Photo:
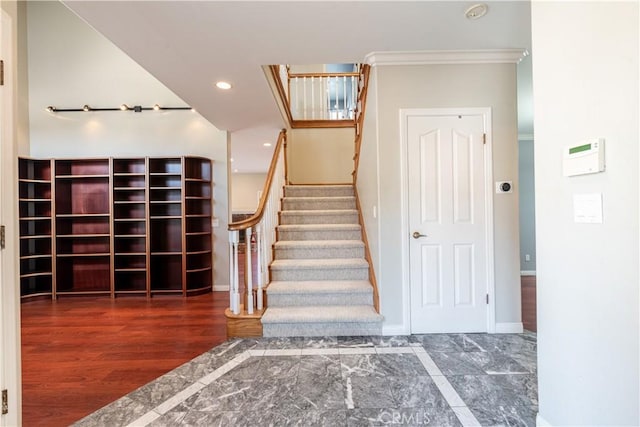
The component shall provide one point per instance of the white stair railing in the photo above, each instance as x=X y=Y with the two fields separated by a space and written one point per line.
x=261 y=229
x=322 y=96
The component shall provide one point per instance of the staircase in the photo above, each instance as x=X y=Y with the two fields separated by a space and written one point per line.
x=319 y=277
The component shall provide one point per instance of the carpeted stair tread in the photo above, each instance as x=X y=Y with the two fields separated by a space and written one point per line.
x=316 y=264
x=313 y=244
x=321 y=314
x=319 y=287
x=320 y=227
x=296 y=190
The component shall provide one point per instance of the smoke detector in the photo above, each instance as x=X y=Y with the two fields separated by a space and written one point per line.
x=476 y=11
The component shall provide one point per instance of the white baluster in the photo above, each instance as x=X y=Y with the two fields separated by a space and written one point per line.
x=313 y=99
x=248 y=272
x=344 y=97
x=260 y=253
x=234 y=291
x=328 y=89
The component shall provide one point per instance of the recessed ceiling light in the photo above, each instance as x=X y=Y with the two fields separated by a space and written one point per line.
x=231 y=159
x=476 y=11
x=267 y=144
x=223 y=85
x=235 y=170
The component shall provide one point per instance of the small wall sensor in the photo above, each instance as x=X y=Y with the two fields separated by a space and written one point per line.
x=504 y=187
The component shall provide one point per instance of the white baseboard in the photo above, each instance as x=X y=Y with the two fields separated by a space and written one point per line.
x=528 y=273
x=509 y=328
x=389 y=330
x=541 y=421
x=220 y=288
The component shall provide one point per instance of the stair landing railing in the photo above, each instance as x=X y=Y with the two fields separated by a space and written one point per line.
x=260 y=229
x=320 y=96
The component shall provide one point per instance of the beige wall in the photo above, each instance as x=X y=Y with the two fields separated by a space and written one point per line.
x=244 y=191
x=320 y=156
x=438 y=86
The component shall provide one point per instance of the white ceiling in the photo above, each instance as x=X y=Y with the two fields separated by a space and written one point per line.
x=189 y=46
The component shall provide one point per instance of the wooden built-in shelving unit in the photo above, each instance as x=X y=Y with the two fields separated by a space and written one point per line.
x=115 y=226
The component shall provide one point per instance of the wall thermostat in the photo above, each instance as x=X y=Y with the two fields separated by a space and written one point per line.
x=584 y=158
x=504 y=187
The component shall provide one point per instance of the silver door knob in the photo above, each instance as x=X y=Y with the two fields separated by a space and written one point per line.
x=417 y=235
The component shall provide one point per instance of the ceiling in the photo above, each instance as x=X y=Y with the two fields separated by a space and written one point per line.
x=189 y=46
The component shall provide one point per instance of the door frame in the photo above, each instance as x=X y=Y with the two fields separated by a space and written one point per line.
x=485 y=112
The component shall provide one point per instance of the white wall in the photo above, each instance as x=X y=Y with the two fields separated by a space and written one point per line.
x=585 y=72
x=71 y=65
x=526 y=193
x=320 y=156
x=435 y=86
x=10 y=125
x=244 y=191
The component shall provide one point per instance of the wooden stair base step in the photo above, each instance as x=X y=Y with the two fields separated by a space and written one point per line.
x=243 y=325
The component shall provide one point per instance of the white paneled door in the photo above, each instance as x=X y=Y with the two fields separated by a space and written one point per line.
x=447 y=223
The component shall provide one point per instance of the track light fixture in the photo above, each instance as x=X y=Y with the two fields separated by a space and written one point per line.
x=123 y=107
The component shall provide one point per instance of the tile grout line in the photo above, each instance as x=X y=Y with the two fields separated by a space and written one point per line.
x=457 y=405
x=454 y=401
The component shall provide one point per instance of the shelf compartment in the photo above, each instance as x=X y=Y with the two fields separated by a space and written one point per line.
x=82 y=225
x=198 y=280
x=40 y=265
x=35 y=209
x=165 y=181
x=82 y=167
x=129 y=261
x=36 y=285
x=32 y=169
x=166 y=209
x=83 y=274
x=198 y=243
x=198 y=224
x=37 y=227
x=134 y=227
x=35 y=190
x=129 y=195
x=166 y=273
x=129 y=166
x=134 y=181
x=165 y=165
x=165 y=194
x=88 y=246
x=197 y=168
x=130 y=281
x=166 y=235
x=129 y=211
x=129 y=245
x=35 y=247
x=199 y=261
x=82 y=196
x=198 y=207
x=197 y=189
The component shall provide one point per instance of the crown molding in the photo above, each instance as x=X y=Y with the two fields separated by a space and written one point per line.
x=429 y=57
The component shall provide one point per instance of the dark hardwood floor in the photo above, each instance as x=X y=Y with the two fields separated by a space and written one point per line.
x=79 y=354
x=529 y=321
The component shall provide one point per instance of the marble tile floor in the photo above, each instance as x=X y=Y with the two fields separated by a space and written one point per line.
x=434 y=380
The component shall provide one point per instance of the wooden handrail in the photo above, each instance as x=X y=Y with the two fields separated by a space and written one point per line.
x=291 y=75
x=359 y=117
x=275 y=73
x=256 y=217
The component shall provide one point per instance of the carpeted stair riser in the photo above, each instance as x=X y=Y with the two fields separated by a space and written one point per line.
x=346 y=216
x=320 y=329
x=316 y=299
x=318 y=191
x=323 y=273
x=318 y=234
x=318 y=203
x=355 y=250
